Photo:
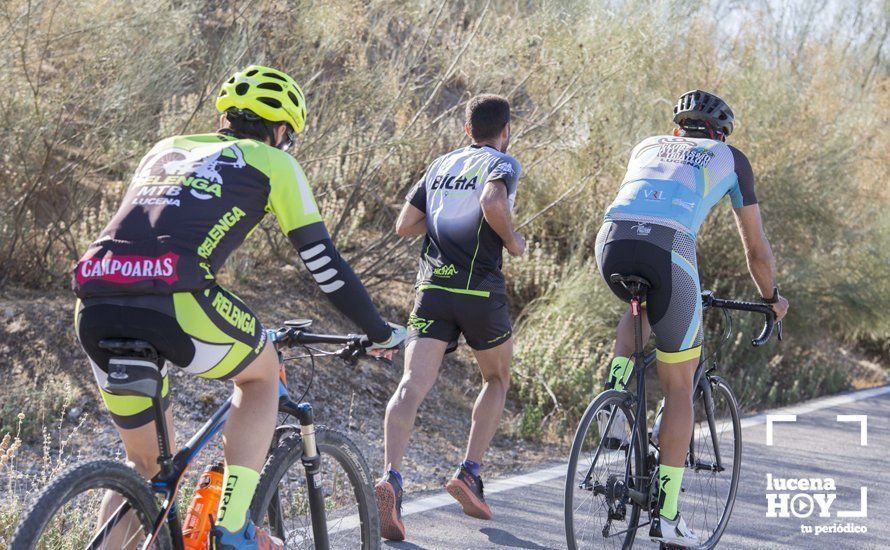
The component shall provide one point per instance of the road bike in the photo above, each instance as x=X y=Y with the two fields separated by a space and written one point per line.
x=609 y=485
x=329 y=503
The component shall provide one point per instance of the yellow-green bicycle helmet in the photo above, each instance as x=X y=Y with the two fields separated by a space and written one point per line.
x=268 y=93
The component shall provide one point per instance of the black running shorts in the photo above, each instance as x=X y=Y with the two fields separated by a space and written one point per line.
x=443 y=315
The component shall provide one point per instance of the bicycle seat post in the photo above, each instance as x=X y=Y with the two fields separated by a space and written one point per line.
x=165 y=459
x=636 y=310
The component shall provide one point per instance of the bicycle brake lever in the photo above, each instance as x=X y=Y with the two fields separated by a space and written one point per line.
x=779 y=330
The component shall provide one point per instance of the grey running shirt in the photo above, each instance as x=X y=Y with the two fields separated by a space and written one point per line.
x=461 y=252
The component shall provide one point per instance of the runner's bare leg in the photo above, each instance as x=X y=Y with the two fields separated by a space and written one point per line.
x=423 y=357
x=495 y=366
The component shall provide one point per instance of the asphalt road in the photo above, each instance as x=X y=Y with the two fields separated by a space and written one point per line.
x=529 y=509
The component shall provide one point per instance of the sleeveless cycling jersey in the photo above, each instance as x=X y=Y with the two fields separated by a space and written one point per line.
x=461 y=252
x=675 y=181
x=192 y=202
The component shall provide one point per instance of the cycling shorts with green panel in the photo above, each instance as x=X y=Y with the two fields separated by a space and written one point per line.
x=209 y=333
x=485 y=323
x=666 y=258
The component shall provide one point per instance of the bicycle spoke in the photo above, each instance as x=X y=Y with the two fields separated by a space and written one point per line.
x=341 y=508
x=77 y=525
x=708 y=491
x=597 y=477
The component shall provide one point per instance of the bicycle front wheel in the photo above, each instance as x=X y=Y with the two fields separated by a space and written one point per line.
x=599 y=510
x=711 y=484
x=98 y=505
x=282 y=499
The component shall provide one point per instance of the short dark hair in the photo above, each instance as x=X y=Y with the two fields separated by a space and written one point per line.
x=253 y=127
x=487 y=114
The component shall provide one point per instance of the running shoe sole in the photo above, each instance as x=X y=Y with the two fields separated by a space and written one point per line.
x=391 y=528
x=471 y=504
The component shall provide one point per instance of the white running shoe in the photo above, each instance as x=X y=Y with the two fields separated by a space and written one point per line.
x=672 y=532
x=619 y=432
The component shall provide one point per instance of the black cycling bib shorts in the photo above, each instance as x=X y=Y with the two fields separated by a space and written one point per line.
x=208 y=333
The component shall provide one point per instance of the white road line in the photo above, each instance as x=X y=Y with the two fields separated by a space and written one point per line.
x=550 y=473
x=818 y=404
x=433 y=502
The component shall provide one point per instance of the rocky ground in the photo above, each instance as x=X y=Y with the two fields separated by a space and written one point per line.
x=47 y=393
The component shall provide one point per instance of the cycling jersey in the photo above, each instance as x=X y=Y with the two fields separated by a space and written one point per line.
x=192 y=202
x=461 y=253
x=675 y=181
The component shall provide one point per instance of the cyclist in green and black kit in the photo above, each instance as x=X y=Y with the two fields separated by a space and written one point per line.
x=151 y=275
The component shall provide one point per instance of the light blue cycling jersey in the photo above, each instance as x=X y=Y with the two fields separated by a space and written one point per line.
x=675 y=181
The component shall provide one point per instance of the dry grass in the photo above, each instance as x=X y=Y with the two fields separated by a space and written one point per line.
x=88 y=86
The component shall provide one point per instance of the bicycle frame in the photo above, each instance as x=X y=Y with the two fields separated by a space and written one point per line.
x=701 y=384
x=173 y=468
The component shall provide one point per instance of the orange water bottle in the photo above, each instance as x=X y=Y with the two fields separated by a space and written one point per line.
x=202 y=511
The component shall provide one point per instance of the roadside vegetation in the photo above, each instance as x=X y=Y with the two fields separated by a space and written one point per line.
x=89 y=85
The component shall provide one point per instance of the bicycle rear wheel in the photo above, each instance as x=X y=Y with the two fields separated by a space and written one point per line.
x=66 y=513
x=282 y=501
x=711 y=491
x=598 y=510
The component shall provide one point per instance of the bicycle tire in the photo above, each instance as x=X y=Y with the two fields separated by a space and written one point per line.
x=719 y=387
x=605 y=399
x=76 y=480
x=332 y=445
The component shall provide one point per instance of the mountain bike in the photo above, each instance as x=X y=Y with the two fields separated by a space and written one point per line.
x=328 y=504
x=609 y=486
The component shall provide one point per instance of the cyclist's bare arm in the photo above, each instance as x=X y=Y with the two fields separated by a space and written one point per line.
x=761 y=262
x=496 y=209
x=412 y=221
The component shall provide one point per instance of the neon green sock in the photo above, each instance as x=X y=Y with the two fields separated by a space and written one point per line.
x=620 y=371
x=670 y=479
x=238 y=488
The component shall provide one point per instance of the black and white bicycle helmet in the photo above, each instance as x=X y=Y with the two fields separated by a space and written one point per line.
x=698 y=105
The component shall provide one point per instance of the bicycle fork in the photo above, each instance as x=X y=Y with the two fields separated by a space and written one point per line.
x=708 y=402
x=312 y=463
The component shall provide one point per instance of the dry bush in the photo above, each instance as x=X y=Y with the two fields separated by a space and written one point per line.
x=90 y=85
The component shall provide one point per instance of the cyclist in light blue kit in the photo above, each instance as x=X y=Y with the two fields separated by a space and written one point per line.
x=671 y=185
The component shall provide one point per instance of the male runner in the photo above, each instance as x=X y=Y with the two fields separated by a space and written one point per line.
x=151 y=275
x=672 y=182
x=463 y=205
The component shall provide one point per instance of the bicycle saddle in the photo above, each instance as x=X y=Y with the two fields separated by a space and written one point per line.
x=135 y=368
x=128 y=347
x=626 y=280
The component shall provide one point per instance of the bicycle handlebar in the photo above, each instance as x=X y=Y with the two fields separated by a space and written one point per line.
x=355 y=344
x=708 y=300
